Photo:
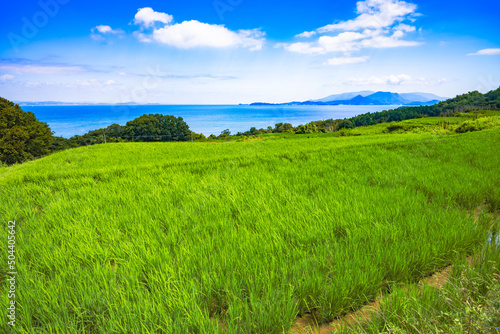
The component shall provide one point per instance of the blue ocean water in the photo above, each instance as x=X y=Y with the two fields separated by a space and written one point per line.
x=68 y=121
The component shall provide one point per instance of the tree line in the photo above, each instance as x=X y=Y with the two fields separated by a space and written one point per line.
x=461 y=103
x=24 y=137
x=146 y=128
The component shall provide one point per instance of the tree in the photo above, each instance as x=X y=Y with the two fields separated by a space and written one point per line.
x=300 y=129
x=346 y=124
x=22 y=135
x=283 y=127
x=157 y=127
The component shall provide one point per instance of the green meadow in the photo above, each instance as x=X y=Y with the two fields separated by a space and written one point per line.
x=242 y=237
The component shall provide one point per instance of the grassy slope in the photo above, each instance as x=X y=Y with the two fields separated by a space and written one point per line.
x=182 y=237
x=434 y=125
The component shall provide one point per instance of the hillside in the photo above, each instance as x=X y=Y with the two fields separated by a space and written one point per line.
x=239 y=237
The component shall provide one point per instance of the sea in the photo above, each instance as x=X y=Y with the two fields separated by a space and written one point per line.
x=67 y=121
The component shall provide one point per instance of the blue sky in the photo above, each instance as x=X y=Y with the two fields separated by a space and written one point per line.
x=241 y=51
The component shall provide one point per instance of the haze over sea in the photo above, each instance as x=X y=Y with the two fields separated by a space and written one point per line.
x=68 y=121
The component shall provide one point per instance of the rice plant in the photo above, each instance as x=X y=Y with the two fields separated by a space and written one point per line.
x=238 y=237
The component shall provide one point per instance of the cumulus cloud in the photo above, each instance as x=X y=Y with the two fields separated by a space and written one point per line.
x=306 y=34
x=485 y=52
x=374 y=14
x=6 y=77
x=147 y=17
x=104 y=29
x=192 y=34
x=346 y=60
x=98 y=32
x=379 y=24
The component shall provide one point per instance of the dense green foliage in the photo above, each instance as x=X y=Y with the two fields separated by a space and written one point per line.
x=146 y=128
x=238 y=237
x=22 y=136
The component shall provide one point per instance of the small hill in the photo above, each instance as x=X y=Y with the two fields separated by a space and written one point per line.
x=387 y=98
x=344 y=96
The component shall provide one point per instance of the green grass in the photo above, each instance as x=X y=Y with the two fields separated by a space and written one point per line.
x=238 y=237
x=434 y=125
x=469 y=302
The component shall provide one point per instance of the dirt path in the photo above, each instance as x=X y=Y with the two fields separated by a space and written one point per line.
x=308 y=325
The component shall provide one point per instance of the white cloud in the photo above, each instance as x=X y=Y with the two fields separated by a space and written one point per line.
x=379 y=24
x=104 y=29
x=485 y=52
x=374 y=14
x=382 y=42
x=306 y=34
x=147 y=17
x=405 y=27
x=98 y=32
x=343 y=42
x=304 y=48
x=6 y=77
x=346 y=60
x=190 y=34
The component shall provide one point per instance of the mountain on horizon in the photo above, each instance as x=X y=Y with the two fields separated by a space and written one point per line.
x=389 y=98
x=411 y=97
x=344 y=96
x=367 y=97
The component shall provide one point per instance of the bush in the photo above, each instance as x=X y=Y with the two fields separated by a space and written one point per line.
x=478 y=124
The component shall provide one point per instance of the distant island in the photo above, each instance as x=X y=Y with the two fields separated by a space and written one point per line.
x=368 y=98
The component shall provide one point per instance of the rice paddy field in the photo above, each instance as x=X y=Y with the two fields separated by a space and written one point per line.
x=238 y=237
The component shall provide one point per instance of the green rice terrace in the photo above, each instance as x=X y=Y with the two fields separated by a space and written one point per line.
x=246 y=236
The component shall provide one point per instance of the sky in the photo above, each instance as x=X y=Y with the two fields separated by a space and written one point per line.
x=242 y=51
